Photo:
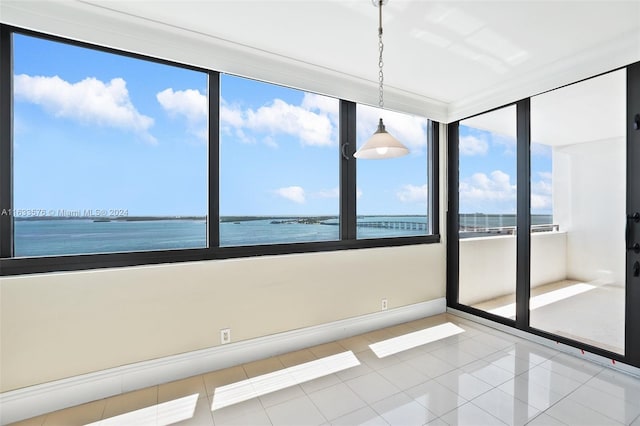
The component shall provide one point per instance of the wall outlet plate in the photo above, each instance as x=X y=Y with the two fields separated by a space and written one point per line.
x=225 y=336
x=384 y=305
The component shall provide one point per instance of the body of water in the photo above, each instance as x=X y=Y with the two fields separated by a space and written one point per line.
x=54 y=237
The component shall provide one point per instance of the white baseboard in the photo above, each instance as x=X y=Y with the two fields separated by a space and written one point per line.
x=603 y=361
x=32 y=401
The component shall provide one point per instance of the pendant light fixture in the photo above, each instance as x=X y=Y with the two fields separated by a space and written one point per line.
x=382 y=144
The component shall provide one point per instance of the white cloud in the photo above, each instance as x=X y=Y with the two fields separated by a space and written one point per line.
x=494 y=193
x=541 y=192
x=495 y=187
x=413 y=194
x=314 y=122
x=280 y=117
x=323 y=104
x=230 y=116
x=471 y=145
x=328 y=193
x=292 y=193
x=189 y=103
x=545 y=175
x=89 y=101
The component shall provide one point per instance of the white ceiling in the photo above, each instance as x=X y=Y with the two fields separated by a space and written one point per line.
x=587 y=111
x=443 y=59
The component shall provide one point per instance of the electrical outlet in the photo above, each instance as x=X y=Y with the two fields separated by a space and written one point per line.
x=385 y=305
x=225 y=336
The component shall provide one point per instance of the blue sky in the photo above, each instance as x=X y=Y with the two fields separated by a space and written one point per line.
x=488 y=173
x=95 y=130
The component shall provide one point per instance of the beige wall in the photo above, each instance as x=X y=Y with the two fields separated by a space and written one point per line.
x=60 y=325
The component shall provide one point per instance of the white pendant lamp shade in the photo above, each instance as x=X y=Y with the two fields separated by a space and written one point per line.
x=381 y=145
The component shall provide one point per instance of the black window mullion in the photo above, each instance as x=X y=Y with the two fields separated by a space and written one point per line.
x=213 y=219
x=453 y=247
x=433 y=166
x=347 y=170
x=6 y=144
x=632 y=284
x=523 y=236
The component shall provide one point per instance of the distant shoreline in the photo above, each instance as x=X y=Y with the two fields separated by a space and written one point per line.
x=111 y=218
x=223 y=219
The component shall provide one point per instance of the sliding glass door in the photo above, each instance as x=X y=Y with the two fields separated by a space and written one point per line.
x=487 y=219
x=542 y=215
x=578 y=188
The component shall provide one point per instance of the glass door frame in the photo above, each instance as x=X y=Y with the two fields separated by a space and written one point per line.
x=523 y=222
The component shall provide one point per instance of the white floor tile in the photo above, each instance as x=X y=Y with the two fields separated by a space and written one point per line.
x=278 y=397
x=476 y=347
x=551 y=380
x=531 y=393
x=533 y=353
x=489 y=373
x=617 y=384
x=572 y=413
x=464 y=384
x=371 y=359
x=437 y=398
x=228 y=415
x=454 y=356
x=430 y=365
x=411 y=353
x=615 y=408
x=437 y=422
x=320 y=383
x=508 y=362
x=297 y=412
x=471 y=415
x=336 y=401
x=362 y=417
x=253 y=418
x=400 y=409
x=354 y=372
x=545 y=420
x=506 y=407
x=372 y=387
x=573 y=368
x=502 y=341
x=403 y=375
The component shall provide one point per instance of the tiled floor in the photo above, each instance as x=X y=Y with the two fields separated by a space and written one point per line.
x=479 y=376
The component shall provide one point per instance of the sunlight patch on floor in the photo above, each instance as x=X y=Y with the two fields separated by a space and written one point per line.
x=245 y=390
x=167 y=413
x=411 y=340
x=509 y=310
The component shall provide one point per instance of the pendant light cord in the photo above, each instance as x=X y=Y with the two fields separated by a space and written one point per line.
x=380 y=63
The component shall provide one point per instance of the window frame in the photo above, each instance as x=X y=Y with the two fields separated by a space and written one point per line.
x=10 y=266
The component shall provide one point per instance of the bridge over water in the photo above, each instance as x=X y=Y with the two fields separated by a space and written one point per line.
x=394 y=224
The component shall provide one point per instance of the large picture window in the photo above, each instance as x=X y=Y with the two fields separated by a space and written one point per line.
x=278 y=164
x=110 y=152
x=393 y=195
x=109 y=158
